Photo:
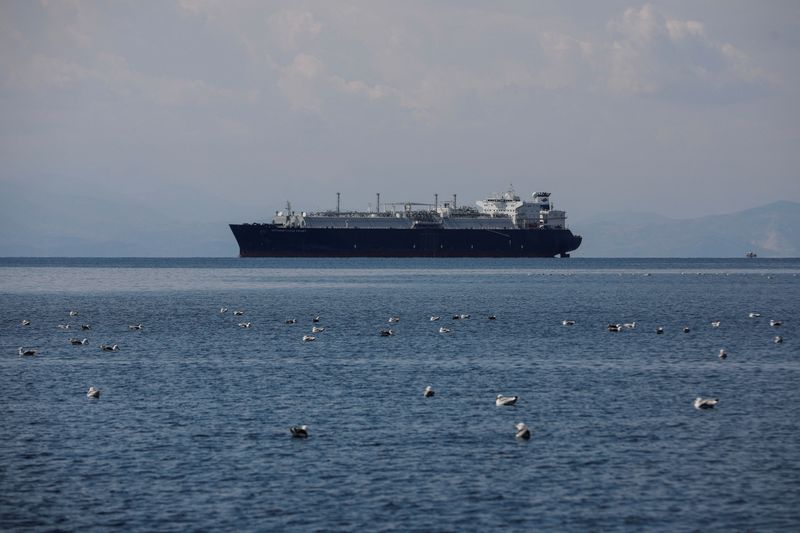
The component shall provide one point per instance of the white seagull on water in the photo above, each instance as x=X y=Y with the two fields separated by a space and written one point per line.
x=705 y=403
x=26 y=351
x=523 y=432
x=300 y=432
x=93 y=393
x=505 y=400
x=428 y=392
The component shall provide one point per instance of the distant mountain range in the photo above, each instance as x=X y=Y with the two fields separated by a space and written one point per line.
x=772 y=230
x=87 y=227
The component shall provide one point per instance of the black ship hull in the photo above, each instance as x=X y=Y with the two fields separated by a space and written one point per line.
x=271 y=240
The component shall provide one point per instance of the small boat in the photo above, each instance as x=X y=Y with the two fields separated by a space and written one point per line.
x=750 y=255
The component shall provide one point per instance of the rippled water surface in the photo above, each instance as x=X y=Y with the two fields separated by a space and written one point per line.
x=191 y=430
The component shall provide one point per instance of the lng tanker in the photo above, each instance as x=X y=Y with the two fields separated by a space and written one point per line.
x=502 y=225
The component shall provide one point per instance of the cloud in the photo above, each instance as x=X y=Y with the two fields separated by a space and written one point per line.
x=651 y=53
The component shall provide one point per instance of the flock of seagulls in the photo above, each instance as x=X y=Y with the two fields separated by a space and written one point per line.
x=522 y=431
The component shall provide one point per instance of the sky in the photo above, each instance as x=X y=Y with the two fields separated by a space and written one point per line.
x=211 y=111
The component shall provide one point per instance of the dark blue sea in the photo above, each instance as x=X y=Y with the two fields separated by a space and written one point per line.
x=191 y=431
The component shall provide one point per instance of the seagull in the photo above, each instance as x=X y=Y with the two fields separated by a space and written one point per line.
x=135 y=327
x=109 y=347
x=444 y=330
x=63 y=326
x=223 y=310
x=309 y=338
x=722 y=353
x=73 y=313
x=300 y=432
x=492 y=317
x=291 y=321
x=244 y=324
x=659 y=330
x=629 y=325
x=778 y=339
x=78 y=342
x=754 y=315
x=394 y=319
x=238 y=312
x=85 y=327
x=315 y=319
x=456 y=317
x=26 y=351
x=505 y=400
x=614 y=327
x=428 y=392
x=434 y=318
x=705 y=403
x=26 y=322
x=715 y=324
x=464 y=317
x=686 y=329
x=317 y=329
x=568 y=322
x=774 y=323
x=93 y=393
x=522 y=431
x=386 y=332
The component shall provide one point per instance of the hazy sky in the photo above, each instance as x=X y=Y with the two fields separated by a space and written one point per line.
x=223 y=110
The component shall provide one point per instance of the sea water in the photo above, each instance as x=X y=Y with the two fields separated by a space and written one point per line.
x=192 y=427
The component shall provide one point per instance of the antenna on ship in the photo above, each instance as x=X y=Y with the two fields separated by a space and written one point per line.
x=378 y=205
x=338 y=197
